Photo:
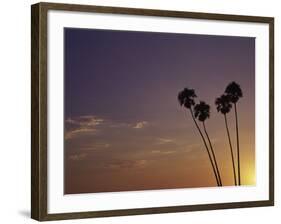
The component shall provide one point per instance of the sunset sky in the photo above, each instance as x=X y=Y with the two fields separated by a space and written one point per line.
x=124 y=128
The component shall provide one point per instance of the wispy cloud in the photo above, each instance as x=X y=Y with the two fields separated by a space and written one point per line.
x=96 y=146
x=140 y=124
x=73 y=133
x=127 y=164
x=163 y=152
x=90 y=125
x=82 y=125
x=161 y=141
x=88 y=120
x=77 y=157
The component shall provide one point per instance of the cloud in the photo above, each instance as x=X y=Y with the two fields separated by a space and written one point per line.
x=163 y=152
x=161 y=141
x=140 y=124
x=91 y=125
x=73 y=133
x=127 y=164
x=88 y=120
x=78 y=157
x=70 y=121
x=169 y=152
x=96 y=146
x=82 y=125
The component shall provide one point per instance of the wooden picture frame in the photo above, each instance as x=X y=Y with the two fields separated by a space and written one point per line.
x=39 y=108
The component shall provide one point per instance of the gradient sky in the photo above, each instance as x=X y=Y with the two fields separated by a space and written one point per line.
x=124 y=128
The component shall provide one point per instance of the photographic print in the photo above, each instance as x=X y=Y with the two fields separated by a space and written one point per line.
x=144 y=111
x=153 y=110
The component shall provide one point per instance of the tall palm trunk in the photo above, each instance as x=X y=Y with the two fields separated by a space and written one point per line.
x=218 y=183
x=213 y=153
x=231 y=150
x=238 y=151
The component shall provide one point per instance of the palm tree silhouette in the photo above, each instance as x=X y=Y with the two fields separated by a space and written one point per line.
x=234 y=93
x=224 y=106
x=202 y=112
x=186 y=98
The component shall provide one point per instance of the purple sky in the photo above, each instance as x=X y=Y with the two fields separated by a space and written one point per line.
x=123 y=123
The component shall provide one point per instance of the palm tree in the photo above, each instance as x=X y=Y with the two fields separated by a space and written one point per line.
x=224 y=106
x=202 y=112
x=186 y=98
x=234 y=93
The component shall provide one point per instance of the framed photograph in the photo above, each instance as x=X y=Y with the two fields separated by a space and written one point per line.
x=140 y=111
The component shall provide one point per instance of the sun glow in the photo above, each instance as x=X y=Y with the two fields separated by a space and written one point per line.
x=249 y=177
